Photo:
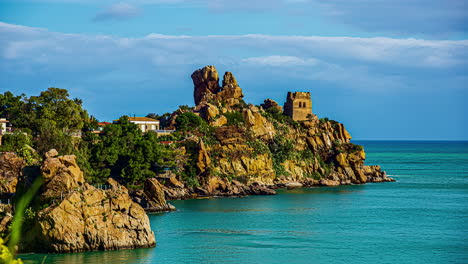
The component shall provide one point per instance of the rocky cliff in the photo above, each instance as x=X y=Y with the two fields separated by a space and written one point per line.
x=259 y=146
x=75 y=216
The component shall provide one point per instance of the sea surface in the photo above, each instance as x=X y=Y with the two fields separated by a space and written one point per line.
x=421 y=218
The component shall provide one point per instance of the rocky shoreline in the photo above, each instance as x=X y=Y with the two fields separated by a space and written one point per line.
x=218 y=187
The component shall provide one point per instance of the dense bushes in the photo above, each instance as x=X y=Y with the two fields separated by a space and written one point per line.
x=189 y=121
x=234 y=118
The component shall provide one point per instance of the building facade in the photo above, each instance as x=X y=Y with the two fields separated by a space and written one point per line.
x=3 y=126
x=145 y=124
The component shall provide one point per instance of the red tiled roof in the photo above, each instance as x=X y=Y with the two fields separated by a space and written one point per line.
x=141 y=119
x=104 y=123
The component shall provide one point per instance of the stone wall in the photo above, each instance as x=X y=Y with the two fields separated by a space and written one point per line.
x=298 y=105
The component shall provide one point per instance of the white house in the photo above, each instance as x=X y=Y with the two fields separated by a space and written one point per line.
x=3 y=126
x=144 y=123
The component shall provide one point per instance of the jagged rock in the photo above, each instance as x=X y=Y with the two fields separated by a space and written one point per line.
x=258 y=189
x=229 y=80
x=155 y=198
x=61 y=175
x=221 y=121
x=231 y=93
x=51 y=154
x=258 y=124
x=85 y=218
x=270 y=103
x=174 y=183
x=11 y=169
x=204 y=160
x=206 y=82
x=216 y=184
x=209 y=112
x=206 y=87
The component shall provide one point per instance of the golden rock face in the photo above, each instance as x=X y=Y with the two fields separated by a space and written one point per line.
x=11 y=167
x=83 y=217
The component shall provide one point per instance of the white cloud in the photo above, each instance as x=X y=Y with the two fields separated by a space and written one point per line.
x=285 y=61
x=118 y=11
x=348 y=61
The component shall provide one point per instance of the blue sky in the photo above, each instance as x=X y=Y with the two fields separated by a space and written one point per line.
x=386 y=69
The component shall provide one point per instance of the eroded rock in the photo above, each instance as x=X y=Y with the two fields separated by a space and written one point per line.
x=11 y=169
x=82 y=217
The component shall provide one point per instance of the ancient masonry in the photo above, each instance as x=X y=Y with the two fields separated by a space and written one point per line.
x=298 y=106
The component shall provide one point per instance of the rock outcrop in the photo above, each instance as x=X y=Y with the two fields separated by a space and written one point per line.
x=152 y=197
x=11 y=169
x=206 y=87
x=61 y=175
x=271 y=104
x=206 y=82
x=252 y=148
x=82 y=217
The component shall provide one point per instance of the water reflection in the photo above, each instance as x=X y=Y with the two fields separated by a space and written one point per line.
x=116 y=256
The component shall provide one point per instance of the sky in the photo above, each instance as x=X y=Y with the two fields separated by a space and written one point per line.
x=393 y=70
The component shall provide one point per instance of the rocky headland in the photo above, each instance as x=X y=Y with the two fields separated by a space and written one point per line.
x=235 y=149
x=252 y=149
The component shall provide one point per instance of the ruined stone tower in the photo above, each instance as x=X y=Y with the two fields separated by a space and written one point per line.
x=298 y=105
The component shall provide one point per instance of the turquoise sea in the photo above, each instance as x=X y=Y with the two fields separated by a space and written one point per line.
x=421 y=218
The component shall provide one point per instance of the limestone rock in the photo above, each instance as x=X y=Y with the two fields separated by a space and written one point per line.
x=221 y=121
x=61 y=175
x=11 y=169
x=154 y=193
x=229 y=80
x=51 y=154
x=231 y=93
x=292 y=185
x=206 y=87
x=326 y=182
x=204 y=160
x=82 y=217
x=206 y=82
x=209 y=112
x=174 y=183
x=270 y=103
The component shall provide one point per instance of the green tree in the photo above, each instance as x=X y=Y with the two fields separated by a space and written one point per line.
x=54 y=105
x=12 y=108
x=124 y=152
x=189 y=121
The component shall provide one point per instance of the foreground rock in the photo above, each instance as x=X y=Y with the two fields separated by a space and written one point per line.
x=11 y=168
x=82 y=217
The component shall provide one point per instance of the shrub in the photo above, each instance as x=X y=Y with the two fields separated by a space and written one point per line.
x=234 y=118
x=189 y=121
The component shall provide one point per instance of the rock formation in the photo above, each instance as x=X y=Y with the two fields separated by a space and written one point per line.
x=152 y=197
x=270 y=103
x=82 y=217
x=206 y=87
x=11 y=169
x=264 y=148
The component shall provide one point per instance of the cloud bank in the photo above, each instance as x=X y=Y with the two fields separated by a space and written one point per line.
x=118 y=11
x=415 y=77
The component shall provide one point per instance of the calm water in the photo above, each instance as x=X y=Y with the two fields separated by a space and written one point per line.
x=422 y=218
